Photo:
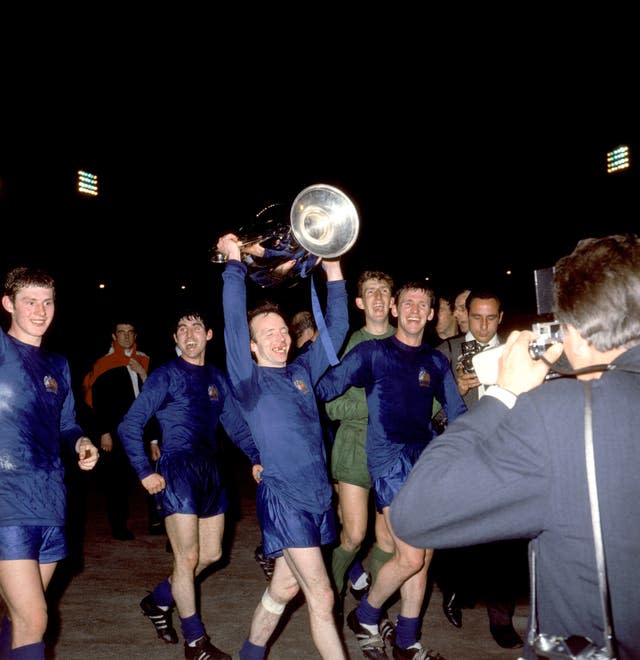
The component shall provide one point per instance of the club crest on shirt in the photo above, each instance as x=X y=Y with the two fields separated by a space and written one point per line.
x=424 y=377
x=301 y=385
x=213 y=392
x=50 y=384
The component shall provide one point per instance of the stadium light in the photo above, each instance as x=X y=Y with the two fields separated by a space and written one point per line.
x=87 y=183
x=618 y=159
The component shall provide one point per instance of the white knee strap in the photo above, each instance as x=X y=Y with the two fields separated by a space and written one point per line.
x=271 y=605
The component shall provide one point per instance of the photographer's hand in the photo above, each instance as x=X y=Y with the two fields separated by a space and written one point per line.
x=517 y=371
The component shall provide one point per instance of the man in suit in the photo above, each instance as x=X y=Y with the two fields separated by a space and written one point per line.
x=491 y=570
x=109 y=390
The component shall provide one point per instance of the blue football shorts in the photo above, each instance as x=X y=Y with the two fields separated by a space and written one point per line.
x=44 y=544
x=284 y=526
x=386 y=487
x=193 y=485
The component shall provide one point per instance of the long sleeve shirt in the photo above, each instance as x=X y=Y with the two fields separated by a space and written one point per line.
x=279 y=403
x=189 y=401
x=37 y=423
x=400 y=382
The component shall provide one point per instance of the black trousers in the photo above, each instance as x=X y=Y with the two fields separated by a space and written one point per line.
x=116 y=478
x=496 y=573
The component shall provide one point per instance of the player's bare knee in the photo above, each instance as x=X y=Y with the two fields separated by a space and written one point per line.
x=211 y=556
x=33 y=627
x=351 y=542
x=271 y=604
x=410 y=562
x=322 y=600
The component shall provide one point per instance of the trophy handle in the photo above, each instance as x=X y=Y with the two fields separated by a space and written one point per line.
x=323 y=223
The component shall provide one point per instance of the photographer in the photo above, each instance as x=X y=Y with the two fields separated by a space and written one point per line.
x=484 y=311
x=514 y=466
x=490 y=572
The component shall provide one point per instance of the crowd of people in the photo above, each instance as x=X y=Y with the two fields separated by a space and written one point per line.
x=394 y=457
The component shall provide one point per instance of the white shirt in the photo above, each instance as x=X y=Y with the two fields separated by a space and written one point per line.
x=494 y=341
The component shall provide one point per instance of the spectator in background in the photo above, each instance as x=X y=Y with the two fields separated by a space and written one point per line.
x=303 y=329
x=446 y=322
x=460 y=310
x=490 y=571
x=109 y=390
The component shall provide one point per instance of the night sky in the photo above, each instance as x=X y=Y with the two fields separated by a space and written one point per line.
x=455 y=177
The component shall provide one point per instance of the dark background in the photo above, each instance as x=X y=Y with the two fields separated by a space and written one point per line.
x=463 y=217
x=470 y=146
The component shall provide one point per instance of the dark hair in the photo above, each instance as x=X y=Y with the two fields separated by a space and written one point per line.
x=597 y=290
x=448 y=298
x=415 y=286
x=302 y=321
x=123 y=320
x=373 y=275
x=482 y=294
x=24 y=276
x=192 y=314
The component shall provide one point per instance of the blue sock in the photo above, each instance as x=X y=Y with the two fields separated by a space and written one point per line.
x=407 y=631
x=162 y=594
x=5 y=637
x=250 y=651
x=356 y=570
x=28 y=652
x=367 y=613
x=192 y=628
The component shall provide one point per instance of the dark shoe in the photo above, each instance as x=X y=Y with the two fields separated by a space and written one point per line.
x=267 y=564
x=371 y=644
x=415 y=652
x=506 y=636
x=156 y=529
x=204 y=650
x=387 y=630
x=161 y=620
x=451 y=609
x=359 y=593
x=122 y=534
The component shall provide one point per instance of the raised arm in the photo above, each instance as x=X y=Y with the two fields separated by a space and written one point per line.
x=240 y=364
x=333 y=269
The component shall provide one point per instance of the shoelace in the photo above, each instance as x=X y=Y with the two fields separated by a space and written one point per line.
x=367 y=640
x=424 y=654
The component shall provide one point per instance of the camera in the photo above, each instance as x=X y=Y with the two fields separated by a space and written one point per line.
x=573 y=647
x=469 y=349
x=485 y=363
x=549 y=332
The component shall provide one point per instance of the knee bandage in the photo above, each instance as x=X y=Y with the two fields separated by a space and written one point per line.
x=271 y=605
